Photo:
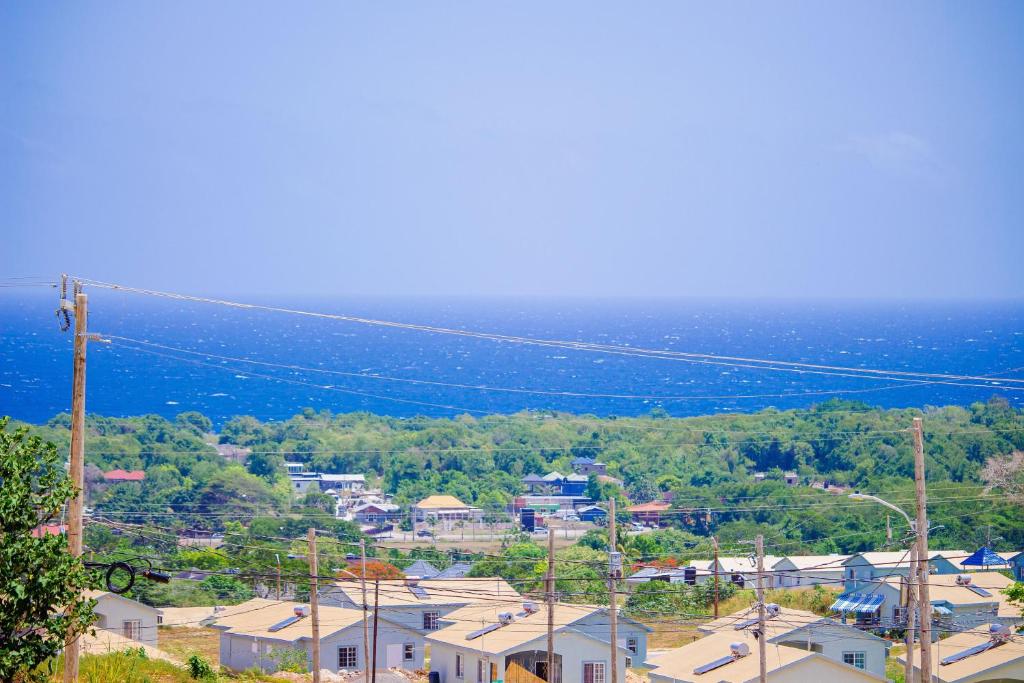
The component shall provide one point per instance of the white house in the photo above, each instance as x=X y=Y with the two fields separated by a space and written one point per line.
x=418 y=604
x=864 y=569
x=125 y=616
x=445 y=510
x=270 y=636
x=302 y=482
x=742 y=571
x=732 y=658
x=802 y=630
x=486 y=643
x=794 y=571
x=965 y=601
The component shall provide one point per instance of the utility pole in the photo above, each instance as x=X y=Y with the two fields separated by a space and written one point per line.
x=366 y=633
x=76 y=465
x=762 y=651
x=314 y=608
x=714 y=566
x=613 y=617
x=923 y=597
x=376 y=602
x=908 y=669
x=278 y=557
x=549 y=587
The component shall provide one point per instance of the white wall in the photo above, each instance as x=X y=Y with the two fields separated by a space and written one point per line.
x=114 y=610
x=832 y=640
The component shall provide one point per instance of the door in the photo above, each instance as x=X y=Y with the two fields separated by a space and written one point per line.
x=393 y=657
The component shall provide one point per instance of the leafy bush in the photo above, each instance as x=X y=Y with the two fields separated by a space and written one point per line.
x=200 y=669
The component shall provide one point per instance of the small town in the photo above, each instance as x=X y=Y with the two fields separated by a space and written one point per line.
x=477 y=342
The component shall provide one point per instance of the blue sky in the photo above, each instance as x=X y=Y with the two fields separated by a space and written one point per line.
x=865 y=149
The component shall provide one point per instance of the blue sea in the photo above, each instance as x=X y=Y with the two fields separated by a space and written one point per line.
x=35 y=356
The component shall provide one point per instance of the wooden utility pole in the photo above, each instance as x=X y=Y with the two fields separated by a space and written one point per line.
x=714 y=544
x=762 y=651
x=549 y=588
x=613 y=617
x=376 y=602
x=366 y=633
x=908 y=669
x=76 y=465
x=314 y=608
x=923 y=597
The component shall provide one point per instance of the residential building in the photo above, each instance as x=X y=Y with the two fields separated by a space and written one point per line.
x=731 y=656
x=376 y=513
x=966 y=601
x=302 y=482
x=124 y=616
x=794 y=571
x=118 y=476
x=864 y=569
x=556 y=484
x=983 y=655
x=592 y=513
x=444 y=509
x=486 y=643
x=588 y=466
x=648 y=514
x=791 y=478
x=876 y=605
x=265 y=636
x=1015 y=562
x=742 y=571
x=421 y=569
x=456 y=571
x=419 y=604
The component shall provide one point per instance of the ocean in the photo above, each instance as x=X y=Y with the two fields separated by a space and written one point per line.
x=984 y=338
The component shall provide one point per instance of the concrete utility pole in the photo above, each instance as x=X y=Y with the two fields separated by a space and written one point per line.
x=923 y=596
x=76 y=465
x=366 y=632
x=762 y=645
x=613 y=617
x=714 y=544
x=908 y=669
x=549 y=587
x=376 y=603
x=314 y=607
x=278 y=558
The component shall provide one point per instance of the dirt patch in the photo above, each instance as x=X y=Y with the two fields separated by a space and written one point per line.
x=180 y=642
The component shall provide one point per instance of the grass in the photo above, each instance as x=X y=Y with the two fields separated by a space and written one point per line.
x=129 y=668
x=181 y=642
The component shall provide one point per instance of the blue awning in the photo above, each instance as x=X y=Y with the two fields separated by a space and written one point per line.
x=858 y=602
x=984 y=557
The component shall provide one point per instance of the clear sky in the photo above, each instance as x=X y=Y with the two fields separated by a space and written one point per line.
x=858 y=149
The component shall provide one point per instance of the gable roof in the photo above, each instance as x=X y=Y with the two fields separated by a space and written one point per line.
x=422 y=569
x=124 y=475
x=256 y=622
x=789 y=620
x=944 y=588
x=526 y=627
x=822 y=562
x=456 y=571
x=101 y=595
x=680 y=663
x=438 y=502
x=649 y=507
x=464 y=591
x=969 y=666
x=740 y=565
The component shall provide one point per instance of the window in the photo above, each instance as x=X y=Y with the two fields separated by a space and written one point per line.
x=430 y=621
x=347 y=657
x=131 y=628
x=629 y=662
x=593 y=672
x=854 y=659
x=479 y=671
x=460 y=665
x=409 y=652
x=631 y=645
x=899 y=614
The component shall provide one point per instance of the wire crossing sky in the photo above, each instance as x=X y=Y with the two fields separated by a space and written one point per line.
x=787 y=149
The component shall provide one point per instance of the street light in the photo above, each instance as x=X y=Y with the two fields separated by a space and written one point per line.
x=876 y=499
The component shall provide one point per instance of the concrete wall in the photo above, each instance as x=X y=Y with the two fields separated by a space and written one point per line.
x=240 y=652
x=574 y=648
x=832 y=640
x=114 y=610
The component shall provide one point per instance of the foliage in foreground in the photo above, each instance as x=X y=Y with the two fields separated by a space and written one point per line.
x=40 y=583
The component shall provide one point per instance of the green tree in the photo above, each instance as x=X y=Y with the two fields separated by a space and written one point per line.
x=41 y=584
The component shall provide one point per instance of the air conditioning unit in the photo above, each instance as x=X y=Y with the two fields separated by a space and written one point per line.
x=506 y=618
x=412 y=581
x=530 y=607
x=302 y=611
x=739 y=649
x=772 y=609
x=963 y=580
x=1000 y=633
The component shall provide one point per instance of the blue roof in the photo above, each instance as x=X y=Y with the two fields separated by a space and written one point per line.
x=984 y=557
x=422 y=569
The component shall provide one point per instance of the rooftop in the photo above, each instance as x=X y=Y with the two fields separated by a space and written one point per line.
x=464 y=591
x=649 y=507
x=256 y=621
x=124 y=475
x=971 y=666
x=440 y=502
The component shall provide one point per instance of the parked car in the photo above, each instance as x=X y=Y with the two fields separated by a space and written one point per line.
x=541 y=531
x=424 y=533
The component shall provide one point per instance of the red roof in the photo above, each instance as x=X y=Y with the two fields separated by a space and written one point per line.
x=650 y=507
x=47 y=530
x=122 y=475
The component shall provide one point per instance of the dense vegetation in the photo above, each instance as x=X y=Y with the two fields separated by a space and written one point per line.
x=704 y=465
